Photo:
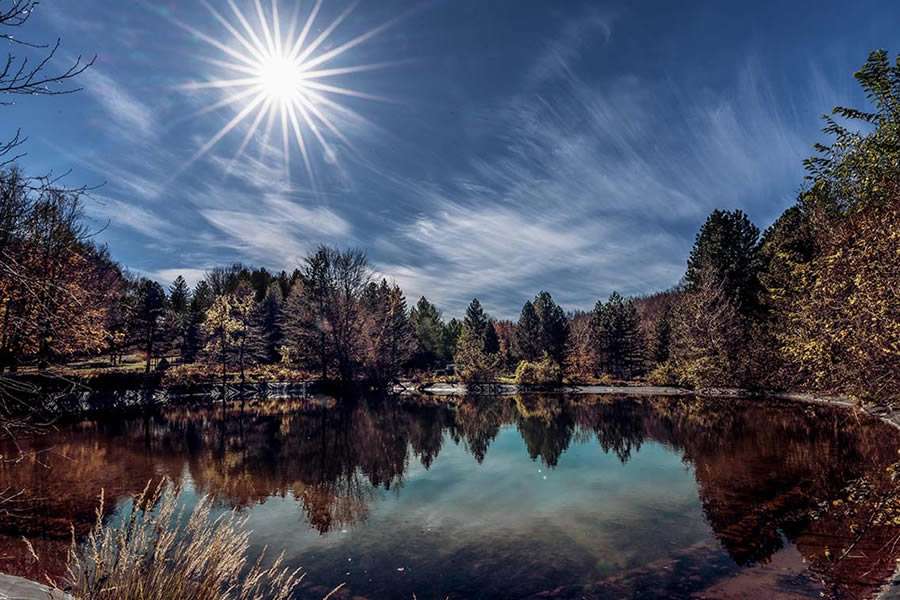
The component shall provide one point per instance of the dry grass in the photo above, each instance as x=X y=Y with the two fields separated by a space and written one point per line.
x=154 y=554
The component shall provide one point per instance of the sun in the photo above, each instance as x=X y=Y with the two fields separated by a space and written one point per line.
x=279 y=78
x=276 y=76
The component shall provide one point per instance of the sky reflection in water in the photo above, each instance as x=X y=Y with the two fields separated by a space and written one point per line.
x=509 y=497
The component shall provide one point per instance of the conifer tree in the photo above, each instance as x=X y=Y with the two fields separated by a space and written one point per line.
x=149 y=308
x=452 y=334
x=491 y=341
x=617 y=330
x=179 y=295
x=554 y=326
x=476 y=320
x=529 y=335
x=430 y=333
x=727 y=249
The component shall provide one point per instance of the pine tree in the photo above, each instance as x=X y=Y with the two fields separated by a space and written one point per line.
x=268 y=316
x=491 y=341
x=192 y=343
x=149 y=308
x=554 y=326
x=476 y=320
x=529 y=334
x=430 y=333
x=616 y=328
x=452 y=334
x=727 y=249
x=473 y=363
x=179 y=295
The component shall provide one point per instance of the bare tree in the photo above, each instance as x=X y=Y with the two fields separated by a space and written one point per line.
x=20 y=195
x=29 y=77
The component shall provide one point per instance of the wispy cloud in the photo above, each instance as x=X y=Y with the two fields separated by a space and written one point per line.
x=122 y=108
x=167 y=276
x=132 y=216
x=598 y=186
x=276 y=230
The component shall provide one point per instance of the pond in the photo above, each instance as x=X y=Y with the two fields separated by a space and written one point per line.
x=533 y=496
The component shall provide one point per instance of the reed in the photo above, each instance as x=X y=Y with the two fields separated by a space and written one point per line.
x=157 y=552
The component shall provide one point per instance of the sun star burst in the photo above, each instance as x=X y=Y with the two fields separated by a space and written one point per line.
x=275 y=73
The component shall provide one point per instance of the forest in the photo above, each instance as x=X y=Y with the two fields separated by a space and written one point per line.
x=810 y=303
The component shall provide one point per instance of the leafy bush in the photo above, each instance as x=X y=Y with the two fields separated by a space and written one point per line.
x=543 y=372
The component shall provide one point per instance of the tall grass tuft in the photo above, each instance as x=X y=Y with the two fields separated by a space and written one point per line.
x=153 y=554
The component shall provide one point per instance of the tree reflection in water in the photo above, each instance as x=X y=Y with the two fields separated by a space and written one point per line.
x=766 y=473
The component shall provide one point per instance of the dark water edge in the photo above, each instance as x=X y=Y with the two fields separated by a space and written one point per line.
x=760 y=473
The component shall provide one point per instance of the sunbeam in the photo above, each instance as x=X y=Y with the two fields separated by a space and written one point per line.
x=268 y=65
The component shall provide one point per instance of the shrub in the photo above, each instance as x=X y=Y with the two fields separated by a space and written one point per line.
x=543 y=372
x=154 y=555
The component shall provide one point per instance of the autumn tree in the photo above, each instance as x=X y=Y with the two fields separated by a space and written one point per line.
x=707 y=336
x=232 y=334
x=322 y=318
x=581 y=360
x=832 y=273
x=388 y=334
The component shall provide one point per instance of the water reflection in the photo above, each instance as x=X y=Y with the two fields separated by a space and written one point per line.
x=770 y=481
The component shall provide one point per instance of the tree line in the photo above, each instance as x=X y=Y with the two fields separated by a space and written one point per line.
x=812 y=302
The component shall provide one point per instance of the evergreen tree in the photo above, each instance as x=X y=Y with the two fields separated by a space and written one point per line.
x=430 y=333
x=491 y=341
x=860 y=170
x=529 y=334
x=473 y=363
x=149 y=308
x=617 y=330
x=201 y=301
x=554 y=326
x=452 y=334
x=727 y=249
x=268 y=316
x=476 y=320
x=661 y=336
x=179 y=295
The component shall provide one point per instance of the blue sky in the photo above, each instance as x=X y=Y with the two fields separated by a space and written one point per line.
x=523 y=145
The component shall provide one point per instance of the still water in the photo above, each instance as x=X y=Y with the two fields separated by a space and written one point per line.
x=512 y=497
